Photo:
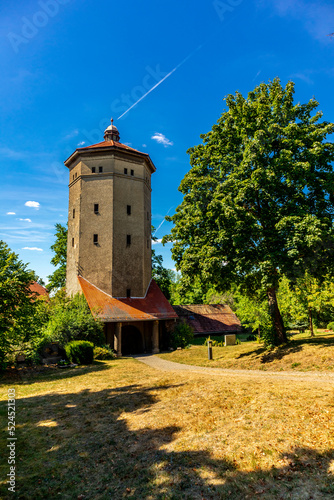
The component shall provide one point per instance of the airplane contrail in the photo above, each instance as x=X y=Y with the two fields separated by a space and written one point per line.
x=161 y=81
x=163 y=220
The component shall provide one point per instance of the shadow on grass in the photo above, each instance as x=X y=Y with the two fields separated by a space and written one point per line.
x=280 y=352
x=322 y=341
x=45 y=374
x=80 y=445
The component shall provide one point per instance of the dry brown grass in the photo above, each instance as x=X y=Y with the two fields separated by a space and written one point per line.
x=120 y=430
x=302 y=354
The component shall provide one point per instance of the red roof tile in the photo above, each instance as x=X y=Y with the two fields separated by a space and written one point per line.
x=108 y=144
x=209 y=319
x=154 y=306
x=105 y=144
x=38 y=289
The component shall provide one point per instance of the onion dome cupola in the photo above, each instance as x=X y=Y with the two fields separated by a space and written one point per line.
x=111 y=133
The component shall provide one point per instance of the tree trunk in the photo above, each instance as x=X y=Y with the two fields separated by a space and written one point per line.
x=276 y=316
x=310 y=320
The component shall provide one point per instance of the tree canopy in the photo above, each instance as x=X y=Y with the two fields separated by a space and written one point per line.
x=58 y=278
x=258 y=199
x=15 y=296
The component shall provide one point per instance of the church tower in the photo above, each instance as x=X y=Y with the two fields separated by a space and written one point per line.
x=109 y=219
x=109 y=244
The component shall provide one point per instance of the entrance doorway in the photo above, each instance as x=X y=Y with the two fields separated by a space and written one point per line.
x=132 y=342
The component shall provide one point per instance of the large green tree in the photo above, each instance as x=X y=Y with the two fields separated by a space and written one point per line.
x=58 y=278
x=16 y=301
x=258 y=200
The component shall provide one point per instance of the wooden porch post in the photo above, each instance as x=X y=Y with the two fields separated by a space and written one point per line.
x=118 y=339
x=155 y=337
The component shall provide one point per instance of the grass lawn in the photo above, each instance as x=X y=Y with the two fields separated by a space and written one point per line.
x=120 y=429
x=302 y=353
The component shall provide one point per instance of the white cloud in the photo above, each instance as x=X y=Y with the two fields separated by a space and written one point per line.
x=316 y=17
x=25 y=220
x=11 y=153
x=156 y=242
x=33 y=248
x=161 y=139
x=11 y=213
x=144 y=145
x=302 y=76
x=82 y=143
x=32 y=204
x=72 y=134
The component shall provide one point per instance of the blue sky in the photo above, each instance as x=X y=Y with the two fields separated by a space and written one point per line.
x=69 y=65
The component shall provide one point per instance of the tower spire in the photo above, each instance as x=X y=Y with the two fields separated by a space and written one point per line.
x=111 y=133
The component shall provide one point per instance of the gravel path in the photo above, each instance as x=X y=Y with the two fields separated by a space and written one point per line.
x=170 y=366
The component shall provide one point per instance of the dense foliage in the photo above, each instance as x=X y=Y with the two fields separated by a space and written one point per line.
x=80 y=352
x=258 y=200
x=17 y=305
x=58 y=278
x=182 y=335
x=104 y=352
x=71 y=319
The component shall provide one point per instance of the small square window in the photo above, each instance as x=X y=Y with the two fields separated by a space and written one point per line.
x=125 y=171
x=128 y=209
x=128 y=293
x=72 y=242
x=132 y=172
x=128 y=240
x=100 y=170
x=93 y=170
x=96 y=208
x=95 y=239
x=76 y=174
x=73 y=213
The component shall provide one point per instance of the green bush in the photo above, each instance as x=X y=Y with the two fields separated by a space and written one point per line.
x=330 y=326
x=251 y=337
x=182 y=335
x=80 y=352
x=103 y=353
x=215 y=343
x=71 y=319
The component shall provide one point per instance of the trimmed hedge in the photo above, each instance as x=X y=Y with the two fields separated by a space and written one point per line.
x=103 y=353
x=80 y=352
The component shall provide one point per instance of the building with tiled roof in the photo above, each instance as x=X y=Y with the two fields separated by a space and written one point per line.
x=213 y=319
x=38 y=290
x=109 y=243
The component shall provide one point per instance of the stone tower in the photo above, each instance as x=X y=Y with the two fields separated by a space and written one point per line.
x=109 y=244
x=109 y=218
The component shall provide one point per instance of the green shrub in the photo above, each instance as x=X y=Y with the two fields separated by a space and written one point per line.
x=330 y=326
x=71 y=319
x=251 y=337
x=80 y=352
x=215 y=343
x=182 y=335
x=103 y=352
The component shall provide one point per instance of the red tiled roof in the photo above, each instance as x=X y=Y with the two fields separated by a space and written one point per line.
x=38 y=289
x=109 y=309
x=108 y=144
x=105 y=144
x=213 y=318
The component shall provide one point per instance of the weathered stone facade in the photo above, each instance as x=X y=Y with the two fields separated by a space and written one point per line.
x=110 y=197
x=109 y=243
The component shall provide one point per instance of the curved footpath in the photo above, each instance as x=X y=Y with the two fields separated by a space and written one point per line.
x=170 y=366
